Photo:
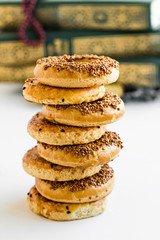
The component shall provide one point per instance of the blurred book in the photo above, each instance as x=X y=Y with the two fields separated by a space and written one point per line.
x=16 y=74
x=115 y=45
x=112 y=15
x=13 y=52
x=117 y=88
x=16 y=53
x=140 y=72
x=101 y=43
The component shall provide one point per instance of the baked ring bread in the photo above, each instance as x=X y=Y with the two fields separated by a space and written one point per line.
x=100 y=112
x=63 y=211
x=76 y=71
x=94 y=153
x=38 y=167
x=84 y=190
x=34 y=91
x=52 y=133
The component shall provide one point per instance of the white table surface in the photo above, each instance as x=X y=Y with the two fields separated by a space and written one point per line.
x=133 y=210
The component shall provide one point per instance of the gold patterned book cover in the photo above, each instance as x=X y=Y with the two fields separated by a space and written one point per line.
x=98 y=15
x=140 y=72
x=111 y=44
x=15 y=52
x=16 y=74
x=116 y=45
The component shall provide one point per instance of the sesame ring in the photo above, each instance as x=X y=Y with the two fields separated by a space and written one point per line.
x=77 y=71
x=34 y=91
x=63 y=211
x=88 y=189
x=103 y=111
x=57 y=134
x=92 y=154
x=38 y=167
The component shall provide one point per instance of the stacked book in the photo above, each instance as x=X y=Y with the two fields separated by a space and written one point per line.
x=125 y=30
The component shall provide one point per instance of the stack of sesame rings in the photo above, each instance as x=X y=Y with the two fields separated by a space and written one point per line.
x=70 y=161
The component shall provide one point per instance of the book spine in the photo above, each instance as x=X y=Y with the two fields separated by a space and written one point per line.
x=14 y=52
x=116 y=88
x=113 y=45
x=97 y=16
x=16 y=74
x=100 y=16
x=140 y=74
x=17 y=53
x=11 y=17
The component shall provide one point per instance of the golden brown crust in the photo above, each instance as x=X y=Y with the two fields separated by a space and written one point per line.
x=77 y=71
x=85 y=190
x=63 y=211
x=100 y=112
x=55 y=134
x=34 y=91
x=94 y=153
x=38 y=167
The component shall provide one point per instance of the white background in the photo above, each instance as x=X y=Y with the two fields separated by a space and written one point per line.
x=133 y=210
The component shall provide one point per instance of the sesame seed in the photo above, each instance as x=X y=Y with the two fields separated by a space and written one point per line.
x=51 y=164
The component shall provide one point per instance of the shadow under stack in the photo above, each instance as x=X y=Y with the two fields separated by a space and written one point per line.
x=70 y=162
